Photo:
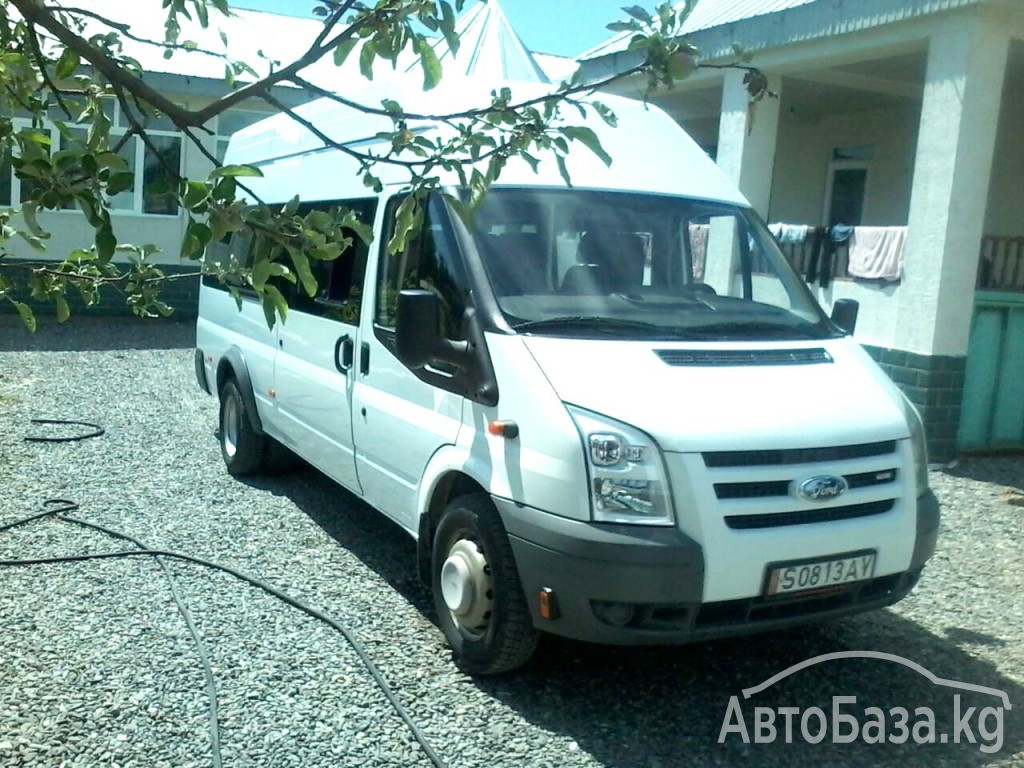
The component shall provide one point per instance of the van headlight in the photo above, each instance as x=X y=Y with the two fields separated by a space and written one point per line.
x=918 y=445
x=625 y=472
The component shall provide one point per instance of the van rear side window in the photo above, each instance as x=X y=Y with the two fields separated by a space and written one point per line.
x=339 y=282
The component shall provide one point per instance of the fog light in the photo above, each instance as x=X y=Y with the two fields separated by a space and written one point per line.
x=616 y=614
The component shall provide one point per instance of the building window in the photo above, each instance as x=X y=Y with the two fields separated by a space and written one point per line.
x=847 y=185
x=154 y=189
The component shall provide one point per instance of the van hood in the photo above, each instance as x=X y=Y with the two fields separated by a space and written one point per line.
x=702 y=397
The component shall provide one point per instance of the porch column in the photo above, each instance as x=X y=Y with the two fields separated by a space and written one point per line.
x=747 y=138
x=956 y=142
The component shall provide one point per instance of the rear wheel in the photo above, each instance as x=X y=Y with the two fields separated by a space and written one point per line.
x=479 y=598
x=240 y=445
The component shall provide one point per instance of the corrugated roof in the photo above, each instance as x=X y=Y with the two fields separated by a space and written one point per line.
x=706 y=15
x=739 y=21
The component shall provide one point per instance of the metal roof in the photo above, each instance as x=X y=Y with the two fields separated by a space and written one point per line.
x=792 y=20
x=705 y=15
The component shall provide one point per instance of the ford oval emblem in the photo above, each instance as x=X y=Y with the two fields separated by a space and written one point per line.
x=822 y=488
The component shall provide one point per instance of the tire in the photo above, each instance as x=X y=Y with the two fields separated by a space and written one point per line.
x=479 y=598
x=240 y=446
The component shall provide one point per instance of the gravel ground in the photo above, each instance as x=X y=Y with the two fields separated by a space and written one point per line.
x=97 y=667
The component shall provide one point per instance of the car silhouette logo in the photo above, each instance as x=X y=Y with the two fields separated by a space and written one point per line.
x=822 y=488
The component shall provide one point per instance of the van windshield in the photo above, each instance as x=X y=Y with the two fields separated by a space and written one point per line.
x=598 y=264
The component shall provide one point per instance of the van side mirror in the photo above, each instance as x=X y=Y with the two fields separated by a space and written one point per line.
x=844 y=314
x=420 y=346
x=418 y=340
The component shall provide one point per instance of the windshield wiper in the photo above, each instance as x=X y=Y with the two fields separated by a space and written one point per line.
x=756 y=328
x=606 y=325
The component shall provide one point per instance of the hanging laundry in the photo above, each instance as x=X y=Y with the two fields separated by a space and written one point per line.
x=789 y=234
x=876 y=253
x=822 y=263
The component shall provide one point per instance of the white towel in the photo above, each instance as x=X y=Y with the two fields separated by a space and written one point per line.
x=789 y=233
x=876 y=253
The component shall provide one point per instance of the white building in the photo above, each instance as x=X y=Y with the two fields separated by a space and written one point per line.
x=893 y=113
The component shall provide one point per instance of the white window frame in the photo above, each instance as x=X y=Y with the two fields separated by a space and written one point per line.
x=116 y=131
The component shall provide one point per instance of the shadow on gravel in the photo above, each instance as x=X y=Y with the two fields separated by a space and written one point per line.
x=655 y=707
x=379 y=543
x=96 y=334
x=1006 y=470
x=647 y=707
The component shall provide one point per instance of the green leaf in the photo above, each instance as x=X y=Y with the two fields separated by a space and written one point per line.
x=623 y=26
x=363 y=230
x=236 y=171
x=277 y=301
x=27 y=316
x=28 y=212
x=196 y=194
x=405 y=222
x=606 y=113
x=63 y=310
x=120 y=182
x=344 y=49
x=431 y=66
x=366 y=56
x=301 y=263
x=106 y=242
x=588 y=138
x=261 y=272
x=67 y=64
x=563 y=171
x=638 y=13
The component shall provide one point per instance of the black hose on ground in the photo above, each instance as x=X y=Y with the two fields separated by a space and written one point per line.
x=59 y=509
x=95 y=431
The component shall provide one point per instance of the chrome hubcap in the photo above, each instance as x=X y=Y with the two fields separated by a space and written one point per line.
x=229 y=429
x=466 y=587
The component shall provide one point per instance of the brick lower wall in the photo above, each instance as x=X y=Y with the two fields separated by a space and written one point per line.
x=935 y=384
x=181 y=294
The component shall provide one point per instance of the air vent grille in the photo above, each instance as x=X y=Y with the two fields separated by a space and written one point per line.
x=738 y=357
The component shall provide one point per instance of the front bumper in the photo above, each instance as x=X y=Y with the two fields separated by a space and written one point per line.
x=622 y=584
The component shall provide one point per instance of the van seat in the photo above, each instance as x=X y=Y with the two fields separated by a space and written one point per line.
x=516 y=263
x=619 y=257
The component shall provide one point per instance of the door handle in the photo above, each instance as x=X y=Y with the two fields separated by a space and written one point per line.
x=364 y=358
x=344 y=350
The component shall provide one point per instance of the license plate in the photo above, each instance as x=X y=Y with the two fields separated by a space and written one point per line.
x=817 y=574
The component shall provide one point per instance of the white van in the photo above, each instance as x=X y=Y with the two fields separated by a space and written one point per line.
x=610 y=411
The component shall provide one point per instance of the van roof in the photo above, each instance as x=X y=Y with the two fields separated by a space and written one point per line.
x=650 y=152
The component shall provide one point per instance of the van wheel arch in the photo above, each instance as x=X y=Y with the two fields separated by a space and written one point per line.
x=451 y=486
x=232 y=366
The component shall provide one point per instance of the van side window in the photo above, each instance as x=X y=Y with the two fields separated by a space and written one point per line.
x=339 y=282
x=431 y=262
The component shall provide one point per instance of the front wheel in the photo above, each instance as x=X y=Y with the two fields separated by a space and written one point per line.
x=477 y=592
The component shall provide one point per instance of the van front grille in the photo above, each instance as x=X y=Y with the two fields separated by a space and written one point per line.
x=717 y=459
x=808 y=516
x=773 y=488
